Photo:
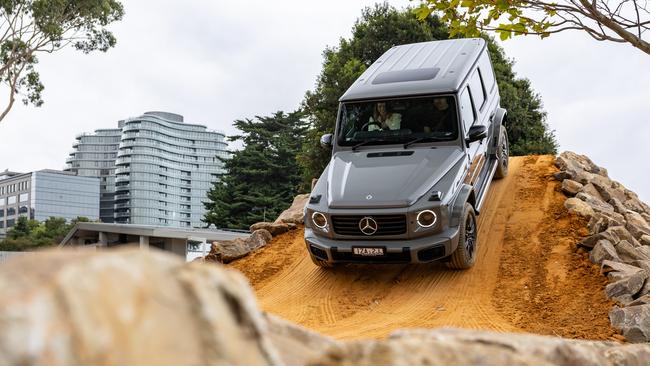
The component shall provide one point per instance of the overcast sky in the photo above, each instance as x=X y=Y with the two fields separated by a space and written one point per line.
x=218 y=61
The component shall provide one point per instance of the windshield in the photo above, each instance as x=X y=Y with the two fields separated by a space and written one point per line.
x=398 y=121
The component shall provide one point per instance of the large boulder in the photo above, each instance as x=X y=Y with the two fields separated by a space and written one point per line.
x=127 y=308
x=579 y=207
x=603 y=250
x=633 y=321
x=294 y=214
x=274 y=229
x=636 y=224
x=616 y=271
x=624 y=290
x=422 y=347
x=595 y=203
x=226 y=251
x=628 y=253
x=571 y=187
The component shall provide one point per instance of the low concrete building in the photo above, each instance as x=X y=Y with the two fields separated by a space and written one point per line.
x=187 y=243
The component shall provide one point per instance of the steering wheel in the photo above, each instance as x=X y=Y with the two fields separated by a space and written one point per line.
x=368 y=124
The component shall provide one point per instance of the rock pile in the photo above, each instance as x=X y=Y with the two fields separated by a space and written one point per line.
x=619 y=241
x=226 y=251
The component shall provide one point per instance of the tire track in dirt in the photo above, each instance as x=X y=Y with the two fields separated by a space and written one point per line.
x=522 y=251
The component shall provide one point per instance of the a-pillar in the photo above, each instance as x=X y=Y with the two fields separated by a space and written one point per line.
x=144 y=242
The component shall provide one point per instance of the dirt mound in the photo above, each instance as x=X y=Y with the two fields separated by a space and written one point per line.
x=528 y=277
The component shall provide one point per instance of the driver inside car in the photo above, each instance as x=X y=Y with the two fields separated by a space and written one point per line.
x=382 y=119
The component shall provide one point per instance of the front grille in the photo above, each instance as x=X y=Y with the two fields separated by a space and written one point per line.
x=386 y=225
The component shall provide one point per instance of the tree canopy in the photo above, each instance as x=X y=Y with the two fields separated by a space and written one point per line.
x=29 y=234
x=616 y=21
x=30 y=27
x=262 y=178
x=380 y=28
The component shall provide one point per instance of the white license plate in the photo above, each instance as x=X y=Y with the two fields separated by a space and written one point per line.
x=368 y=252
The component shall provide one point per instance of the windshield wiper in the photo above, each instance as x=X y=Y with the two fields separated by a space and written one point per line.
x=420 y=139
x=355 y=147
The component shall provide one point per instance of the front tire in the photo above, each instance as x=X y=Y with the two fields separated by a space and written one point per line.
x=503 y=151
x=465 y=255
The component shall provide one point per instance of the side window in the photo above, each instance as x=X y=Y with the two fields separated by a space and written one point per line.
x=487 y=73
x=477 y=89
x=466 y=109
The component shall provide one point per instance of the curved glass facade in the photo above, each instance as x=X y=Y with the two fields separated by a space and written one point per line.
x=94 y=155
x=162 y=170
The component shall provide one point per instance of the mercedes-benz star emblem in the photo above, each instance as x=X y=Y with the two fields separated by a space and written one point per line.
x=369 y=197
x=368 y=225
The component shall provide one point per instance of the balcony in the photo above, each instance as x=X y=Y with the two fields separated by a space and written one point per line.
x=122 y=196
x=123 y=214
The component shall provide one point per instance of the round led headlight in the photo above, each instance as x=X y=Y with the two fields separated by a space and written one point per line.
x=427 y=218
x=319 y=220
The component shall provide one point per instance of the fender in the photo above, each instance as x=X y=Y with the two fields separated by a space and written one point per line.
x=498 y=119
x=465 y=194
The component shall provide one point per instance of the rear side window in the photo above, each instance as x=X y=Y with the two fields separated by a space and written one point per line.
x=486 y=72
x=477 y=90
x=466 y=109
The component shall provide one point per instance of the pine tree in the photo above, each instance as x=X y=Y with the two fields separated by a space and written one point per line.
x=262 y=178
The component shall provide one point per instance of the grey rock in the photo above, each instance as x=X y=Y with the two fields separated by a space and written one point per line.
x=635 y=205
x=571 y=187
x=613 y=233
x=226 y=251
x=624 y=290
x=600 y=221
x=562 y=175
x=633 y=321
x=644 y=299
x=603 y=250
x=274 y=229
x=636 y=224
x=258 y=239
x=569 y=160
x=578 y=207
x=619 y=207
x=595 y=203
x=644 y=240
x=628 y=253
x=296 y=213
x=591 y=190
x=437 y=347
x=617 y=271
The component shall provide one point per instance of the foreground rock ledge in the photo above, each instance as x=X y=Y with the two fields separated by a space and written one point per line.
x=149 y=308
x=127 y=308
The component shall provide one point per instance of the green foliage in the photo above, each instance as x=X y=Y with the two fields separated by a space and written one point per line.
x=598 y=18
x=30 y=27
x=380 y=28
x=29 y=234
x=263 y=177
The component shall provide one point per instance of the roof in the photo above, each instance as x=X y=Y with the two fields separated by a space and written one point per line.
x=152 y=231
x=418 y=68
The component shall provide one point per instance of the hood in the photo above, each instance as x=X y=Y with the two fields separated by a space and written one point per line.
x=386 y=178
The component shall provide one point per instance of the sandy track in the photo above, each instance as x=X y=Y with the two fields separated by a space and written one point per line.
x=525 y=279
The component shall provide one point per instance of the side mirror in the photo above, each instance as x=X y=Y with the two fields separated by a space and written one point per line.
x=476 y=133
x=326 y=140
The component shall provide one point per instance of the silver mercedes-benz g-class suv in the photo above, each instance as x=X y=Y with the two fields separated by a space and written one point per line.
x=419 y=137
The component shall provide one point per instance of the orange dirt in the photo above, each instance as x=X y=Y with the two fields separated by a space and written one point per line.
x=528 y=276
